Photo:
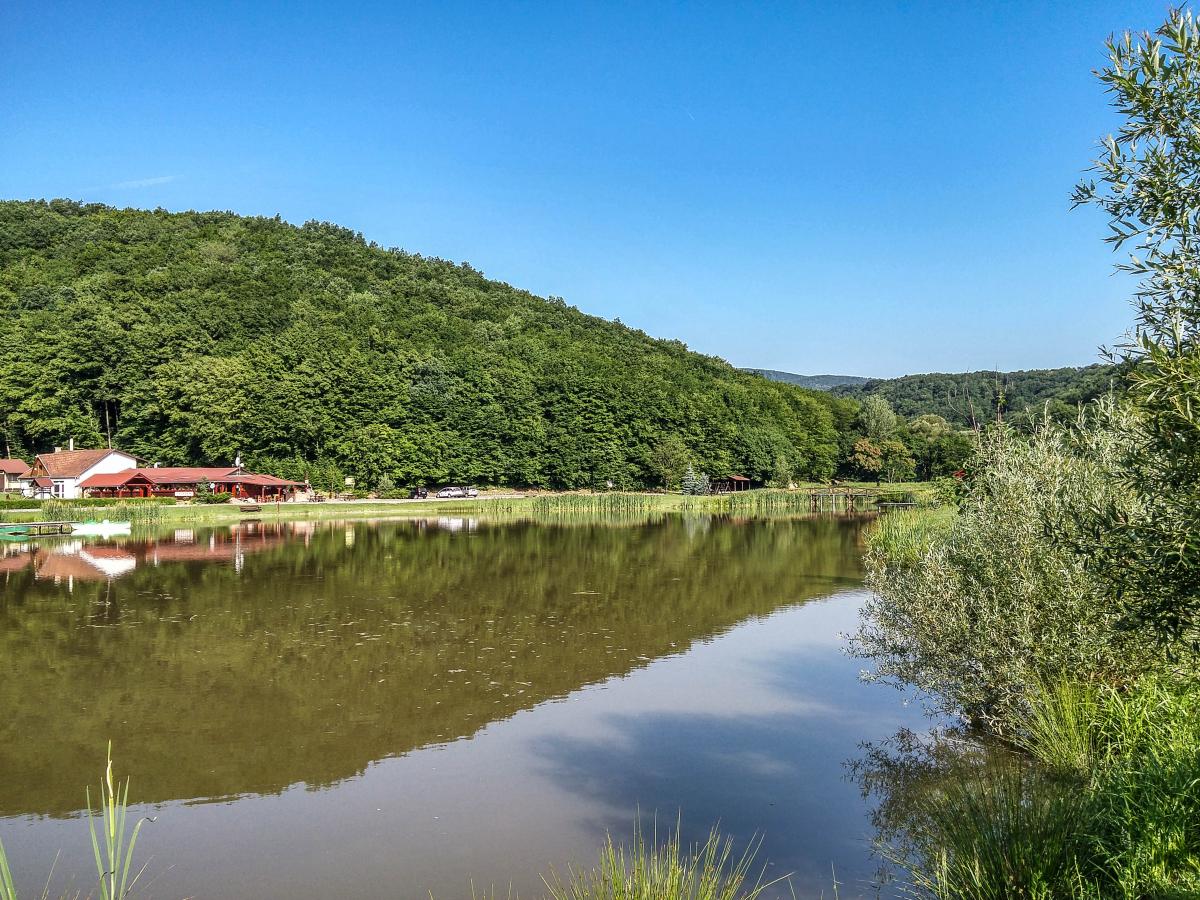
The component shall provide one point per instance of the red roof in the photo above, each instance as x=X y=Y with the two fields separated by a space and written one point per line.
x=13 y=466
x=187 y=474
x=109 y=479
x=71 y=463
x=183 y=475
x=259 y=480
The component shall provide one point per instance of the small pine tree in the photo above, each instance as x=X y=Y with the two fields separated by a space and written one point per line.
x=694 y=483
x=689 y=482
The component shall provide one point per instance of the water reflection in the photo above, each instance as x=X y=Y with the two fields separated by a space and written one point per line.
x=362 y=707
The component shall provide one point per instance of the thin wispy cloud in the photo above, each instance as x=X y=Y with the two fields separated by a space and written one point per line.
x=139 y=183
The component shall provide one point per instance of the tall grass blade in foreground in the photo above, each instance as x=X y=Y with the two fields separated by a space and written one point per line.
x=8 y=890
x=644 y=871
x=115 y=864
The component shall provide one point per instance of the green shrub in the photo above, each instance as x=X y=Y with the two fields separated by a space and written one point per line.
x=211 y=498
x=1004 y=600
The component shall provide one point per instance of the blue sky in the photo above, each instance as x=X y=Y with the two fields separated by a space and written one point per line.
x=875 y=188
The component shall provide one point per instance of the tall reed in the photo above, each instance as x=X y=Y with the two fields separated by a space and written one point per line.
x=114 y=859
x=143 y=512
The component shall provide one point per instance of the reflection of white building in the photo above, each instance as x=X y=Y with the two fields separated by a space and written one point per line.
x=58 y=474
x=454 y=523
x=76 y=561
x=113 y=563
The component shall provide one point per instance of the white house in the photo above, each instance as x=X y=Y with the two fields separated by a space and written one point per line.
x=58 y=474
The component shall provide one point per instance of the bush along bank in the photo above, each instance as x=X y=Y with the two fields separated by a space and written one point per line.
x=1058 y=614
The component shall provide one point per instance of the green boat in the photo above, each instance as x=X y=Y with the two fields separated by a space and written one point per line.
x=21 y=530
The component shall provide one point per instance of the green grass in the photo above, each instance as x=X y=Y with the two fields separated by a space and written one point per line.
x=1105 y=803
x=903 y=536
x=138 y=511
x=1008 y=835
x=667 y=871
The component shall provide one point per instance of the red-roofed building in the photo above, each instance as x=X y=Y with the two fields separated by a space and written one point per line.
x=11 y=471
x=185 y=481
x=66 y=469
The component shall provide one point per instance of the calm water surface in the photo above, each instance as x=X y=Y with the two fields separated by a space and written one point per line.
x=393 y=708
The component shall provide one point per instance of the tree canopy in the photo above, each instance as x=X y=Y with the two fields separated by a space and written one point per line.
x=187 y=338
x=968 y=399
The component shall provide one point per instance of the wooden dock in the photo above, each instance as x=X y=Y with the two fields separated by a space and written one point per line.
x=35 y=529
x=841 y=498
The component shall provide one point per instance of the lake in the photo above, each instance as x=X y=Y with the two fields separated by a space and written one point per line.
x=384 y=709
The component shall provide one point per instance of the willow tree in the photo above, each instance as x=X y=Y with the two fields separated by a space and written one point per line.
x=1148 y=184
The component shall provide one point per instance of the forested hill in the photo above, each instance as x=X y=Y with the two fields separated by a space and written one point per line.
x=812 y=382
x=971 y=397
x=191 y=337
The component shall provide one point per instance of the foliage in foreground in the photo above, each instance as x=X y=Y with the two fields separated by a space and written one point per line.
x=112 y=843
x=667 y=871
x=1147 y=174
x=1106 y=803
x=977 y=609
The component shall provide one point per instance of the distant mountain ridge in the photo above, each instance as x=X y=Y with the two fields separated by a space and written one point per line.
x=970 y=398
x=812 y=382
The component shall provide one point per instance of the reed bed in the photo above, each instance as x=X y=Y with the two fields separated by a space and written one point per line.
x=667 y=871
x=138 y=512
x=616 y=502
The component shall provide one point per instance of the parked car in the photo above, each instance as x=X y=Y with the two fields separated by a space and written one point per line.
x=472 y=492
x=451 y=492
x=418 y=493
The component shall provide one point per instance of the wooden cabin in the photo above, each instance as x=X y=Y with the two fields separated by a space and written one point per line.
x=730 y=484
x=183 y=482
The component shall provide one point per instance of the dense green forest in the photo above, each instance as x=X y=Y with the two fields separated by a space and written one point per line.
x=971 y=398
x=191 y=337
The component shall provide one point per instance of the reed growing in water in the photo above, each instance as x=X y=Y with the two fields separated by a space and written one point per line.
x=666 y=871
x=112 y=844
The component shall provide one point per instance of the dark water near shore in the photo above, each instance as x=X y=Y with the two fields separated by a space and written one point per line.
x=358 y=709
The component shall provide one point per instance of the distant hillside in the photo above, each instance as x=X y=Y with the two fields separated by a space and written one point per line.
x=191 y=337
x=971 y=397
x=812 y=382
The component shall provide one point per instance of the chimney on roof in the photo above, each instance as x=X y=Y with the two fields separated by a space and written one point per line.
x=58 y=449
x=70 y=443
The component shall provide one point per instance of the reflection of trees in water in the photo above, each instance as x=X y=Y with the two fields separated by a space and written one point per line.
x=905 y=776
x=318 y=654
